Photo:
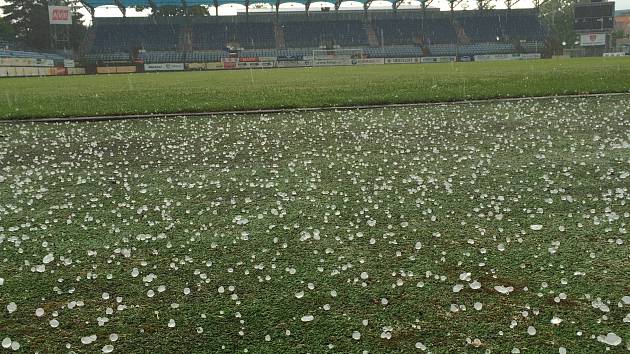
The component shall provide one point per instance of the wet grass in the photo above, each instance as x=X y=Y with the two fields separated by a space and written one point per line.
x=306 y=87
x=466 y=181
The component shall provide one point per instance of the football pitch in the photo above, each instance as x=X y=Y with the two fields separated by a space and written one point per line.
x=475 y=228
x=306 y=87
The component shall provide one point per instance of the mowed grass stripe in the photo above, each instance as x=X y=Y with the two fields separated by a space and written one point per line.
x=306 y=87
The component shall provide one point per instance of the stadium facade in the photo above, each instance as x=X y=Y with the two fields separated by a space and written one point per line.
x=377 y=33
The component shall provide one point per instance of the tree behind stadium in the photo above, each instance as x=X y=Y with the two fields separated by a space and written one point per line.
x=30 y=26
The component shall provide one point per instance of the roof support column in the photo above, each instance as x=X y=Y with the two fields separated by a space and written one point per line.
x=121 y=7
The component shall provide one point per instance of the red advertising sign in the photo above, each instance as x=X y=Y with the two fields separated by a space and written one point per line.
x=59 y=15
x=248 y=59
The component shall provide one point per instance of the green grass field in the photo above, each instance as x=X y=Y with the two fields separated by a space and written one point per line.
x=473 y=228
x=306 y=87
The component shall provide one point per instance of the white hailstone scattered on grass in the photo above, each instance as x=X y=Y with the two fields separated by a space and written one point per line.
x=478 y=306
x=536 y=227
x=326 y=307
x=171 y=323
x=610 y=339
x=333 y=293
x=457 y=288
x=135 y=272
x=15 y=345
x=6 y=343
x=113 y=337
x=384 y=301
x=53 y=323
x=421 y=346
x=221 y=289
x=556 y=320
x=11 y=307
x=475 y=285
x=364 y=275
x=88 y=339
x=626 y=300
x=268 y=338
x=39 y=312
x=199 y=330
x=356 y=335
x=418 y=245
x=531 y=330
x=48 y=258
x=503 y=290
x=1 y=281
x=108 y=348
x=105 y=296
x=562 y=350
x=307 y=318
x=299 y=294
x=150 y=293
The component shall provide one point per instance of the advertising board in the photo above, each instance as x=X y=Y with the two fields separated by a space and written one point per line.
x=428 y=60
x=293 y=64
x=255 y=65
x=617 y=54
x=402 y=60
x=592 y=39
x=164 y=67
x=59 y=15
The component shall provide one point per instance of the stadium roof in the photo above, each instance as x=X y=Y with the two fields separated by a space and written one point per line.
x=159 y=3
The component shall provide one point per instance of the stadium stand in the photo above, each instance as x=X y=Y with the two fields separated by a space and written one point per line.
x=380 y=33
x=32 y=55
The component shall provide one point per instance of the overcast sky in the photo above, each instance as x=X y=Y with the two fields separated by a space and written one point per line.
x=442 y=4
x=112 y=11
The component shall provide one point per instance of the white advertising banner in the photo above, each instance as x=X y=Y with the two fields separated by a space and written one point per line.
x=369 y=61
x=68 y=63
x=592 y=39
x=331 y=62
x=293 y=64
x=402 y=60
x=254 y=64
x=505 y=57
x=59 y=15
x=164 y=67
x=493 y=57
x=340 y=62
x=616 y=54
x=427 y=60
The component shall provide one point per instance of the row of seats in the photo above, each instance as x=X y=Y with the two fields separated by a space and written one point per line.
x=401 y=32
x=316 y=33
x=385 y=52
x=492 y=27
x=113 y=37
x=345 y=31
x=33 y=55
x=471 y=49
